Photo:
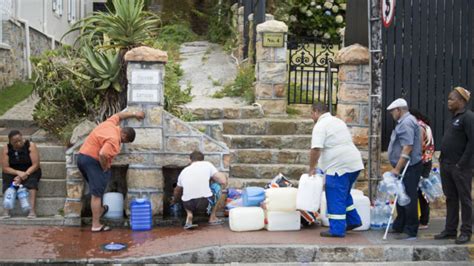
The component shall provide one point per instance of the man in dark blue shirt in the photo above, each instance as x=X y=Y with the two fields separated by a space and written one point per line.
x=457 y=149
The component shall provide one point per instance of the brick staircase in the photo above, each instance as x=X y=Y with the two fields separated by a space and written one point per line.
x=52 y=186
x=262 y=148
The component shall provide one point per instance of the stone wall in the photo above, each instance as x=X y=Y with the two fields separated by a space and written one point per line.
x=13 y=55
x=162 y=140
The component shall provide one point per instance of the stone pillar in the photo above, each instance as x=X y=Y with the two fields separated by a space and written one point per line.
x=145 y=75
x=240 y=34
x=353 y=95
x=270 y=68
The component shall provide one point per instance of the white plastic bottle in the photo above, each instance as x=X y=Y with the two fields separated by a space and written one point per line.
x=24 y=197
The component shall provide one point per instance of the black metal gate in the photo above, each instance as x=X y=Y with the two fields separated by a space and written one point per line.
x=427 y=51
x=312 y=75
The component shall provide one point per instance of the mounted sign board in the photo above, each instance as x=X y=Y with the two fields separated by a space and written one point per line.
x=149 y=77
x=145 y=96
x=388 y=12
x=275 y=40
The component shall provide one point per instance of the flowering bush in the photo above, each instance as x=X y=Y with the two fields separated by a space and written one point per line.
x=321 y=18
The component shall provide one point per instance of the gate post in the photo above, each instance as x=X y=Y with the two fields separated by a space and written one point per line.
x=353 y=97
x=271 y=67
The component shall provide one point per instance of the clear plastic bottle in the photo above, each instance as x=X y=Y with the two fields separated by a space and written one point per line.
x=386 y=213
x=24 y=198
x=376 y=220
x=427 y=188
x=9 y=198
x=435 y=179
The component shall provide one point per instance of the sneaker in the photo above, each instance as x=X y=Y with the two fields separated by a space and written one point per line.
x=423 y=227
x=404 y=236
x=328 y=234
x=352 y=226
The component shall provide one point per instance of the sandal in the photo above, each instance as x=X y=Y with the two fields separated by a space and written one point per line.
x=103 y=228
x=216 y=222
x=106 y=209
x=31 y=216
x=189 y=226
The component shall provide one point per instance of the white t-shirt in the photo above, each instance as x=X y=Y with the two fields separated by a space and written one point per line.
x=194 y=180
x=338 y=152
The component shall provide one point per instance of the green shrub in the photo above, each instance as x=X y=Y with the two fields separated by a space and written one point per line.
x=65 y=98
x=176 y=34
x=220 y=28
x=242 y=85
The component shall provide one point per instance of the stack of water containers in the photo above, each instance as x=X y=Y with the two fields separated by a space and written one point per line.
x=12 y=193
x=141 y=218
x=280 y=209
x=431 y=187
x=251 y=216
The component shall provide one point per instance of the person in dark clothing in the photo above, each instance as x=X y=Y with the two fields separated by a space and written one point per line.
x=457 y=150
x=20 y=160
x=427 y=148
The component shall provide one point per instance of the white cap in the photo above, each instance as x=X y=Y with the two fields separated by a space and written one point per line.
x=397 y=103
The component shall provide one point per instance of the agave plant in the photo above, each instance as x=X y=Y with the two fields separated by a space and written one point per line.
x=103 y=68
x=127 y=26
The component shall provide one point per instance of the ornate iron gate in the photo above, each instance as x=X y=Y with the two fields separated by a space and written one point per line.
x=427 y=51
x=312 y=74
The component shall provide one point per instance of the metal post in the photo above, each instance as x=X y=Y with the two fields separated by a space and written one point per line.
x=329 y=86
x=247 y=11
x=375 y=99
x=258 y=18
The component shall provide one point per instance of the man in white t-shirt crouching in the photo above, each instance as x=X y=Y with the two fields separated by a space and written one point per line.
x=200 y=186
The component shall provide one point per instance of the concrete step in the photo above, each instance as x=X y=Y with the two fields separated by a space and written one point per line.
x=52 y=188
x=45 y=206
x=214 y=113
x=268 y=126
x=270 y=156
x=268 y=142
x=52 y=170
x=48 y=152
x=17 y=123
x=267 y=171
x=56 y=220
x=32 y=133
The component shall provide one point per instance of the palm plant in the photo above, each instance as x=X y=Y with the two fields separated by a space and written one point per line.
x=112 y=34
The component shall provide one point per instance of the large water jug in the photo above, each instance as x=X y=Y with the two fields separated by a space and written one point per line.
x=24 y=198
x=403 y=199
x=427 y=188
x=376 y=217
x=253 y=196
x=141 y=218
x=283 y=221
x=243 y=219
x=309 y=192
x=323 y=210
x=281 y=199
x=9 y=197
x=362 y=205
x=385 y=214
x=115 y=202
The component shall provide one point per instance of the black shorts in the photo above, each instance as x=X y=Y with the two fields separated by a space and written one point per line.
x=93 y=174
x=30 y=183
x=199 y=205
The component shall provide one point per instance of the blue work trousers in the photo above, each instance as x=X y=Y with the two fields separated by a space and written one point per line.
x=341 y=211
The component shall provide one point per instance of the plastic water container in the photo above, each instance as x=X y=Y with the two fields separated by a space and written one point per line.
x=323 y=210
x=356 y=192
x=310 y=188
x=362 y=205
x=253 y=196
x=243 y=219
x=115 y=202
x=283 y=221
x=281 y=199
x=377 y=214
x=24 y=198
x=140 y=214
x=9 y=197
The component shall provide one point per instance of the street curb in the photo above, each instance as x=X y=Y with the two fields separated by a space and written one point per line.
x=293 y=253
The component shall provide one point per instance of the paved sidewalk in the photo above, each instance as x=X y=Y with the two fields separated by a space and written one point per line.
x=217 y=244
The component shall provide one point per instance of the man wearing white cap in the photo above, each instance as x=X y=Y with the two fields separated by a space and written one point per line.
x=404 y=147
x=457 y=162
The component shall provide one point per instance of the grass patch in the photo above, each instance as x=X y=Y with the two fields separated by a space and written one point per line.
x=14 y=94
x=292 y=111
x=242 y=85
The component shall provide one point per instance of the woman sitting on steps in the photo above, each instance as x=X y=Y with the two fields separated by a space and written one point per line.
x=20 y=161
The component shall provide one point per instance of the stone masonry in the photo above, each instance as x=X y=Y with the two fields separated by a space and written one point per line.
x=12 y=56
x=353 y=96
x=270 y=69
x=162 y=140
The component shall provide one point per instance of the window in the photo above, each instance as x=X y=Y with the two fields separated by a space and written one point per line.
x=71 y=12
x=5 y=12
x=58 y=7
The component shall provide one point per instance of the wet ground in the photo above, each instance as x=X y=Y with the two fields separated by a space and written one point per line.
x=70 y=243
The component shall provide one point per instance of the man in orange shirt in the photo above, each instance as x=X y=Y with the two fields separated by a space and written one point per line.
x=95 y=159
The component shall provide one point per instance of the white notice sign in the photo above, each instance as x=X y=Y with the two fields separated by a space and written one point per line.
x=145 y=77
x=149 y=96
